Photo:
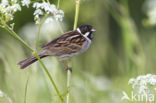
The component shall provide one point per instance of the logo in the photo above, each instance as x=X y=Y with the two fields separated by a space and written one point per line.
x=138 y=97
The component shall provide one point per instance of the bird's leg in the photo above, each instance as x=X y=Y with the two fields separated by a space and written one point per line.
x=66 y=65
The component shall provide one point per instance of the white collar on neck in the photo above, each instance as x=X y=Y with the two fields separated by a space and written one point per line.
x=79 y=31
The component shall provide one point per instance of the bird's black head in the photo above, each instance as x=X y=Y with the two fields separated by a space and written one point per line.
x=87 y=30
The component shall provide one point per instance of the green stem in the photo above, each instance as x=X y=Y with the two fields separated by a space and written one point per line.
x=12 y=33
x=39 y=30
x=68 y=81
x=48 y=1
x=26 y=88
x=50 y=77
x=44 y=67
x=76 y=13
x=58 y=4
x=8 y=98
x=69 y=62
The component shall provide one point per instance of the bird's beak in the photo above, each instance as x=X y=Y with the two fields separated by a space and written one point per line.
x=93 y=30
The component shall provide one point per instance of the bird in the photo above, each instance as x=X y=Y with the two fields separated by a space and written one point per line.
x=65 y=46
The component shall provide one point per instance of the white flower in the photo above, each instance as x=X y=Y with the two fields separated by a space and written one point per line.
x=152 y=16
x=15 y=1
x=12 y=26
x=59 y=15
x=48 y=9
x=143 y=83
x=38 y=12
x=5 y=2
x=37 y=5
x=45 y=6
x=53 y=9
x=8 y=10
x=25 y=3
x=16 y=7
x=37 y=19
x=1 y=94
x=49 y=20
x=132 y=80
x=151 y=11
x=9 y=17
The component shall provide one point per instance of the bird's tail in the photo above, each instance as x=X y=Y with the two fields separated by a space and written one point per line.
x=28 y=61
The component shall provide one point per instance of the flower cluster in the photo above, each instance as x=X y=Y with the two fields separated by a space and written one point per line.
x=47 y=8
x=150 y=9
x=25 y=3
x=7 y=10
x=144 y=83
x=152 y=16
x=9 y=7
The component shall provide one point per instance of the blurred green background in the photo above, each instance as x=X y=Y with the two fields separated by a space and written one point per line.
x=124 y=46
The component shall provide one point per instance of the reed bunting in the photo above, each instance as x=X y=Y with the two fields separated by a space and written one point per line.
x=66 y=46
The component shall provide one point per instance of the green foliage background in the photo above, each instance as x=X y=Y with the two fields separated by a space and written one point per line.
x=124 y=46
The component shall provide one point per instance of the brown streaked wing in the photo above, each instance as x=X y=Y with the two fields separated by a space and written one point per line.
x=66 y=44
x=59 y=39
x=64 y=48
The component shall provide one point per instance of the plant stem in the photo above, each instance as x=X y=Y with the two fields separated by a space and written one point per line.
x=39 y=30
x=48 y=1
x=12 y=33
x=69 y=62
x=58 y=4
x=8 y=98
x=76 y=13
x=68 y=80
x=44 y=67
x=50 y=77
x=26 y=87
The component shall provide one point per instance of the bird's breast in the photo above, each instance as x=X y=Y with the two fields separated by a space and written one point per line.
x=85 y=46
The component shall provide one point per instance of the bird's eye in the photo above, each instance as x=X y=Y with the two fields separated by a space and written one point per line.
x=90 y=36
